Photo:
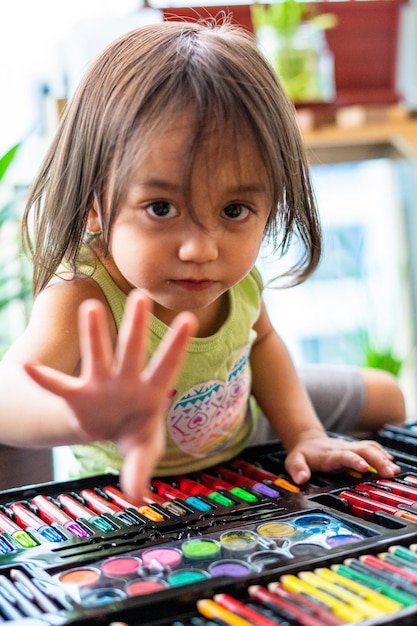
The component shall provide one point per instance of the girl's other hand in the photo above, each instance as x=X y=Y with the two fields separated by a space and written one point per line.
x=322 y=453
x=118 y=395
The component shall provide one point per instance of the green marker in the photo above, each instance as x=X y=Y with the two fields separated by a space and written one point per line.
x=243 y=494
x=395 y=594
x=219 y=498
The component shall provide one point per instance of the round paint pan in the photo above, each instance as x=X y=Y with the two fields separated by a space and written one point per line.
x=201 y=549
x=233 y=568
x=186 y=577
x=120 y=566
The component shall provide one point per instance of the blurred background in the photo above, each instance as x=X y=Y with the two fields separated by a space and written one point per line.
x=360 y=306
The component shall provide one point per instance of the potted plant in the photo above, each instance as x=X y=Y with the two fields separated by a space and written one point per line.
x=292 y=36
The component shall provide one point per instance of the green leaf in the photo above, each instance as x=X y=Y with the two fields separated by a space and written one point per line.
x=7 y=159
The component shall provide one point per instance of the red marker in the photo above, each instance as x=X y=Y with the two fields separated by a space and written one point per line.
x=365 y=507
x=245 y=481
x=52 y=514
x=172 y=493
x=238 y=608
x=100 y=505
x=77 y=510
x=386 y=496
x=19 y=535
x=27 y=520
x=253 y=471
x=122 y=500
x=399 y=488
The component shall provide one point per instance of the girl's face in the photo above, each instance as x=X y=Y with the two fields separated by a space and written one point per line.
x=158 y=246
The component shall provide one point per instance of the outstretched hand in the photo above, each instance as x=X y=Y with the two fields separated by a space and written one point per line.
x=322 y=453
x=118 y=396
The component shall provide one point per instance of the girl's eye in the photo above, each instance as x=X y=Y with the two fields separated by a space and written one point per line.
x=161 y=210
x=236 y=212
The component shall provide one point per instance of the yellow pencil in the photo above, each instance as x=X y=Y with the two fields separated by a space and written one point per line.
x=292 y=583
x=351 y=598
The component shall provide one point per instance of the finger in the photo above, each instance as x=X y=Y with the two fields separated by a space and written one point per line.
x=51 y=379
x=297 y=467
x=165 y=364
x=95 y=343
x=131 y=350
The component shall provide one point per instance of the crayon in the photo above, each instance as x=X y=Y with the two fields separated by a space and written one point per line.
x=348 y=613
x=377 y=599
x=76 y=510
x=20 y=536
x=210 y=609
x=52 y=514
x=239 y=608
x=273 y=601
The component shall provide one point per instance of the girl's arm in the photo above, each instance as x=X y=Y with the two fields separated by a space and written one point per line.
x=286 y=404
x=116 y=395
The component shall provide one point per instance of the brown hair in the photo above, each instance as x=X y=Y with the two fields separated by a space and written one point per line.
x=131 y=92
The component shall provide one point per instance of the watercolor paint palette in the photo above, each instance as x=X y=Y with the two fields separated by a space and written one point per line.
x=86 y=548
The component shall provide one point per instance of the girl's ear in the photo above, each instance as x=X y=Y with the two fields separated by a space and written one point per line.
x=93 y=221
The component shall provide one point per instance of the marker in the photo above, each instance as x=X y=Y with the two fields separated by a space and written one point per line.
x=213 y=482
x=376 y=583
x=76 y=510
x=100 y=505
x=231 y=604
x=273 y=601
x=210 y=609
x=381 y=564
x=365 y=507
x=193 y=488
x=245 y=481
x=388 y=497
x=253 y=471
x=51 y=513
x=377 y=599
x=398 y=488
x=351 y=599
x=20 y=536
x=122 y=500
x=27 y=520
x=172 y=493
x=318 y=609
x=169 y=505
x=412 y=480
x=349 y=614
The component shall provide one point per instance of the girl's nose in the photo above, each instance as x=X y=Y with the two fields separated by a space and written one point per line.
x=198 y=245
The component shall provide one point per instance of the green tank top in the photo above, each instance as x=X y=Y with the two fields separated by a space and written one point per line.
x=209 y=419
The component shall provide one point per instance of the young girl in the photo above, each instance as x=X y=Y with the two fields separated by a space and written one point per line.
x=178 y=155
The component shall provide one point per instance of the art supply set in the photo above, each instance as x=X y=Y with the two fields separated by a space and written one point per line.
x=237 y=544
